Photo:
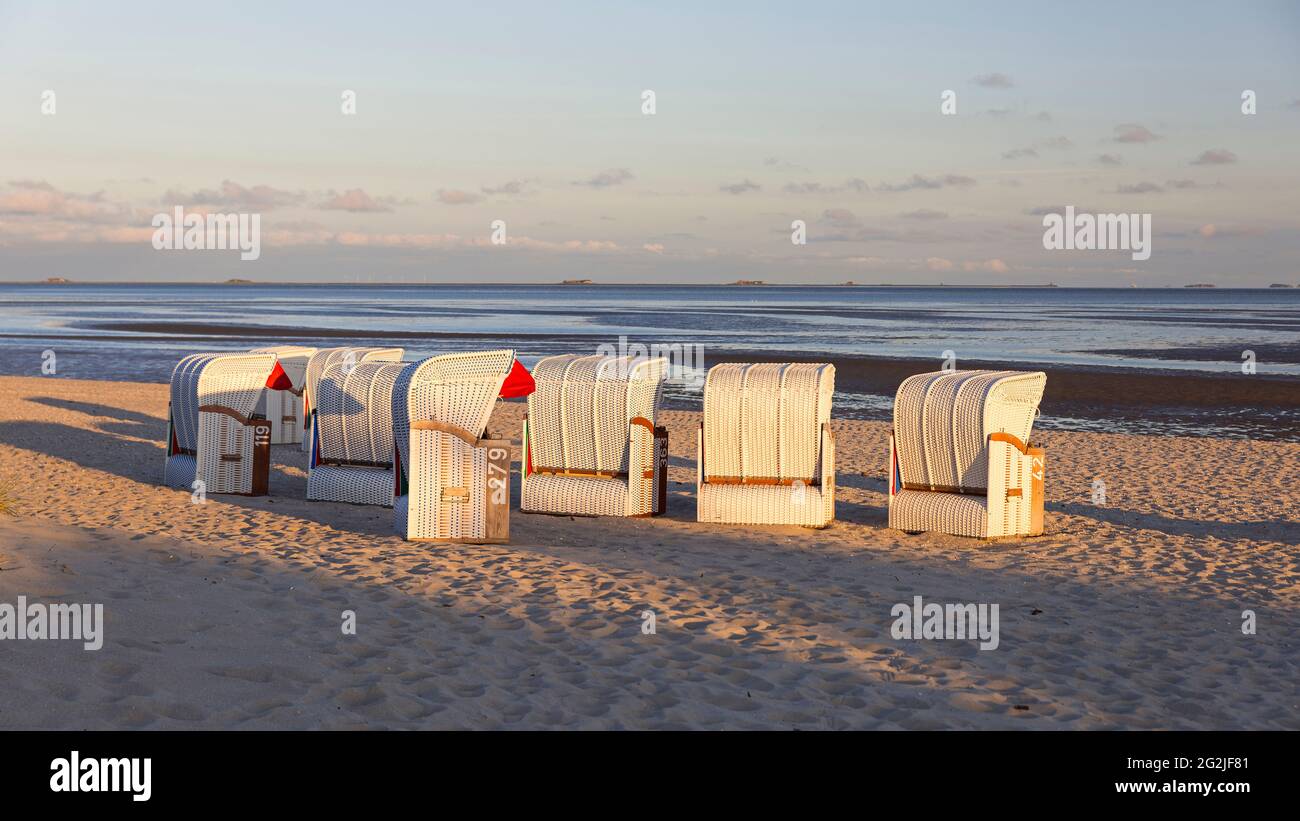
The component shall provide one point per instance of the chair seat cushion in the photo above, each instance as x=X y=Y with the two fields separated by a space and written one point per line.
x=574 y=495
x=808 y=505
x=960 y=514
x=357 y=485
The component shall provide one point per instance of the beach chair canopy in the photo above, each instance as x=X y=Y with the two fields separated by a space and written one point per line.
x=451 y=481
x=942 y=422
x=591 y=445
x=766 y=454
x=355 y=414
x=578 y=417
x=458 y=389
x=764 y=421
x=230 y=380
x=324 y=357
x=212 y=432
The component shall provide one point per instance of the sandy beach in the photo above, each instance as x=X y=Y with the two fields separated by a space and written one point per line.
x=226 y=615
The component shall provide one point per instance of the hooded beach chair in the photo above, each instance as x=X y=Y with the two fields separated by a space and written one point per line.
x=283 y=406
x=959 y=460
x=590 y=445
x=452 y=479
x=766 y=454
x=352 y=435
x=322 y=359
x=213 y=433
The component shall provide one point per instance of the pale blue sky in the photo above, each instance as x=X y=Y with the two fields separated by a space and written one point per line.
x=466 y=115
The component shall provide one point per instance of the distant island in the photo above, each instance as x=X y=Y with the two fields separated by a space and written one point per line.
x=1199 y=285
x=56 y=281
x=576 y=282
x=749 y=282
x=239 y=282
x=1281 y=285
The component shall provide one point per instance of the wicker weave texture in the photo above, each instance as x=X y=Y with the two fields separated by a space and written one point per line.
x=765 y=454
x=353 y=453
x=447 y=479
x=580 y=420
x=322 y=359
x=221 y=446
x=942 y=424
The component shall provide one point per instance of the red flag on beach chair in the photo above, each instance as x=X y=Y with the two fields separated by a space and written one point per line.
x=279 y=380
x=518 y=383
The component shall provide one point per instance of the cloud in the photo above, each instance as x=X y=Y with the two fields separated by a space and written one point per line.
x=1043 y=117
x=924 y=214
x=454 y=196
x=740 y=187
x=1294 y=105
x=235 y=197
x=1215 y=156
x=839 y=217
x=1134 y=133
x=994 y=80
x=1110 y=159
x=356 y=201
x=508 y=188
x=917 y=181
x=999 y=113
x=653 y=247
x=994 y=266
x=1056 y=143
x=786 y=165
x=938 y=264
x=1185 y=185
x=39 y=199
x=854 y=186
x=607 y=178
x=1139 y=188
x=1017 y=153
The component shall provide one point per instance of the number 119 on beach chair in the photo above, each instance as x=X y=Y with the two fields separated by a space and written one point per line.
x=213 y=435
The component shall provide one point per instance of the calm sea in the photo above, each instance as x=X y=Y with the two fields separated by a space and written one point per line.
x=138 y=332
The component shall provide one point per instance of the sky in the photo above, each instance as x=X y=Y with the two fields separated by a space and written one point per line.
x=764 y=114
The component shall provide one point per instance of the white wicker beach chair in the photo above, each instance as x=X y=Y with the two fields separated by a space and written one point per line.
x=213 y=434
x=766 y=454
x=453 y=481
x=284 y=407
x=590 y=444
x=322 y=359
x=959 y=462
x=352 y=436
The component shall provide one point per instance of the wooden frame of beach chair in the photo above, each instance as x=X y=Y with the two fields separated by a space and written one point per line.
x=959 y=462
x=452 y=481
x=322 y=359
x=352 y=435
x=590 y=444
x=284 y=408
x=765 y=453
x=213 y=434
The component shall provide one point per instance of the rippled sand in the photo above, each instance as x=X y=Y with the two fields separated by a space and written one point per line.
x=228 y=614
